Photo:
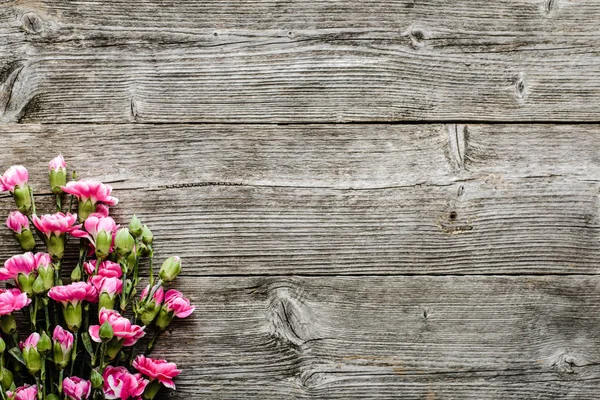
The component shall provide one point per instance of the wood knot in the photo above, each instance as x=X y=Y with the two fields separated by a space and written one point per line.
x=564 y=362
x=417 y=37
x=521 y=87
x=31 y=23
x=549 y=7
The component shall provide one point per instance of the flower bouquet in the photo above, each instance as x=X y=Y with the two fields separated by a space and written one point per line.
x=82 y=337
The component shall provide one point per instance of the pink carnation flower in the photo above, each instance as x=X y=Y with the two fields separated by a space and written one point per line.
x=111 y=286
x=157 y=369
x=30 y=342
x=12 y=300
x=180 y=306
x=96 y=192
x=23 y=393
x=76 y=388
x=17 y=221
x=19 y=264
x=122 y=327
x=57 y=163
x=121 y=384
x=42 y=260
x=57 y=224
x=107 y=269
x=74 y=293
x=64 y=338
x=158 y=296
x=16 y=175
x=93 y=226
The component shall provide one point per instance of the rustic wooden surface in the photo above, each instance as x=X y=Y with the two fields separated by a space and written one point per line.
x=386 y=200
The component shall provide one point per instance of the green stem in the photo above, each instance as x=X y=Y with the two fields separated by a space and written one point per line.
x=33 y=312
x=102 y=355
x=74 y=354
x=46 y=313
x=32 y=201
x=39 y=386
x=71 y=204
x=60 y=380
x=152 y=342
x=57 y=277
x=43 y=377
x=58 y=203
x=150 y=262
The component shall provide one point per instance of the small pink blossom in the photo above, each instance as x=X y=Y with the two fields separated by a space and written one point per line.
x=180 y=306
x=16 y=175
x=96 y=192
x=76 y=388
x=42 y=260
x=30 y=342
x=154 y=369
x=122 y=327
x=93 y=226
x=57 y=224
x=107 y=269
x=24 y=393
x=74 y=293
x=57 y=163
x=111 y=286
x=101 y=211
x=64 y=338
x=19 y=264
x=119 y=383
x=158 y=296
x=17 y=221
x=12 y=300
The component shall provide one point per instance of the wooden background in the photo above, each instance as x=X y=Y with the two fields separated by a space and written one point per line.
x=373 y=199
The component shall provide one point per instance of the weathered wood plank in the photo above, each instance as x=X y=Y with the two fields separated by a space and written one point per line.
x=395 y=199
x=266 y=61
x=389 y=337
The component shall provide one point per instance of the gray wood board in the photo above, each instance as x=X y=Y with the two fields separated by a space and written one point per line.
x=321 y=61
x=372 y=337
x=331 y=199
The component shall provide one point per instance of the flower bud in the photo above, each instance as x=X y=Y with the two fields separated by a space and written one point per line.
x=135 y=226
x=44 y=344
x=22 y=196
x=114 y=346
x=31 y=355
x=38 y=286
x=52 y=396
x=170 y=269
x=164 y=318
x=58 y=174
x=147 y=236
x=56 y=246
x=76 y=274
x=8 y=324
x=106 y=332
x=25 y=239
x=96 y=379
x=107 y=301
x=103 y=244
x=124 y=242
x=25 y=282
x=2 y=346
x=6 y=378
x=72 y=314
x=47 y=274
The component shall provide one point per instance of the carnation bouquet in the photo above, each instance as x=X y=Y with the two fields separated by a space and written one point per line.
x=86 y=331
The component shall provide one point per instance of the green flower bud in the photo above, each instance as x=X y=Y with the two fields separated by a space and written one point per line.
x=106 y=301
x=22 y=196
x=106 y=332
x=147 y=236
x=103 y=243
x=85 y=209
x=142 y=250
x=8 y=324
x=72 y=316
x=114 y=346
x=76 y=274
x=25 y=282
x=164 y=318
x=57 y=179
x=52 y=396
x=44 y=344
x=131 y=260
x=151 y=390
x=60 y=359
x=170 y=269
x=2 y=346
x=33 y=360
x=135 y=226
x=25 y=239
x=47 y=275
x=124 y=242
x=6 y=378
x=56 y=246
x=38 y=286
x=148 y=312
x=96 y=379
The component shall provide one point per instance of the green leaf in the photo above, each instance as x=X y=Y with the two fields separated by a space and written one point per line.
x=87 y=343
x=16 y=353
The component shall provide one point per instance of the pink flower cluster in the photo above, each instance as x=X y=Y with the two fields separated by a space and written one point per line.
x=74 y=293
x=94 y=191
x=55 y=224
x=122 y=328
x=119 y=383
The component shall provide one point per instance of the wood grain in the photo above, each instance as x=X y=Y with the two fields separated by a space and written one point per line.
x=372 y=337
x=322 y=61
x=322 y=199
